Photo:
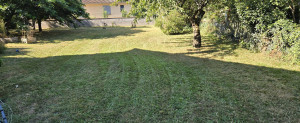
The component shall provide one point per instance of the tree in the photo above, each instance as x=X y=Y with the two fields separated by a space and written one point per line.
x=293 y=6
x=258 y=14
x=63 y=11
x=194 y=9
x=68 y=11
x=10 y=12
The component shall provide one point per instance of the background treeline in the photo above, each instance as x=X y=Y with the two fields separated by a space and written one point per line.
x=258 y=25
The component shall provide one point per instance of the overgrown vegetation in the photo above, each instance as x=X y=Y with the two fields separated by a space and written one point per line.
x=259 y=25
x=174 y=23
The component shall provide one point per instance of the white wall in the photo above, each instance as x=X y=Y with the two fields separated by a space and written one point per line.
x=98 y=22
x=96 y=10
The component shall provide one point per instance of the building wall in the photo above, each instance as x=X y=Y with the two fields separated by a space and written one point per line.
x=96 y=10
x=100 y=22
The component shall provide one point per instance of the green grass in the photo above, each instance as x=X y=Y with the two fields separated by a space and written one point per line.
x=141 y=75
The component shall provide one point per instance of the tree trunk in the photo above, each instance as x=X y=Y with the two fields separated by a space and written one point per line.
x=195 y=20
x=197 y=36
x=6 y=24
x=293 y=13
x=297 y=14
x=33 y=24
x=40 y=25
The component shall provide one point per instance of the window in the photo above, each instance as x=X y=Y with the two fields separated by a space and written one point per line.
x=121 y=8
x=107 y=9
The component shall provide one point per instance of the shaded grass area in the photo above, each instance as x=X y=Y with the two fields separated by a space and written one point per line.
x=64 y=34
x=146 y=77
x=213 y=45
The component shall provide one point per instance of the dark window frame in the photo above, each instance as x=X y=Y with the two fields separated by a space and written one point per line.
x=122 y=7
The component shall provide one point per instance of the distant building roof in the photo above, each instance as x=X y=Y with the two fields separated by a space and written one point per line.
x=97 y=1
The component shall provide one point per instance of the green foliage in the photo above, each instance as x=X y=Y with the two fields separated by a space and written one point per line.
x=258 y=14
x=2 y=47
x=105 y=14
x=124 y=13
x=207 y=28
x=286 y=38
x=2 y=29
x=67 y=11
x=1 y=62
x=173 y=23
x=284 y=34
x=263 y=25
x=295 y=52
x=18 y=12
x=253 y=42
x=193 y=9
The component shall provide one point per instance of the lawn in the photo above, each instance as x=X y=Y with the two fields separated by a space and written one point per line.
x=141 y=75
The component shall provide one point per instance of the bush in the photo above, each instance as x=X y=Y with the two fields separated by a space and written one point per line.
x=105 y=14
x=284 y=34
x=253 y=42
x=2 y=47
x=295 y=52
x=285 y=37
x=124 y=13
x=173 y=23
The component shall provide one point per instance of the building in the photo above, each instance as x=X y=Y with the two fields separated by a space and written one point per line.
x=105 y=9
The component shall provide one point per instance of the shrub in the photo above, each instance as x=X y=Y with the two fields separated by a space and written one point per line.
x=284 y=34
x=253 y=42
x=173 y=23
x=105 y=14
x=124 y=13
x=285 y=37
x=295 y=52
x=2 y=47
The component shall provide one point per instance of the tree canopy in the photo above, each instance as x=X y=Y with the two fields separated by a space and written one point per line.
x=19 y=12
x=194 y=9
x=256 y=14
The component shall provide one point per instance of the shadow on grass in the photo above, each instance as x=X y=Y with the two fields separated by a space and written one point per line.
x=210 y=45
x=14 y=51
x=66 y=34
x=182 y=42
x=132 y=85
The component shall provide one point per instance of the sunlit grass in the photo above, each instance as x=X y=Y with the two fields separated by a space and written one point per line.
x=141 y=75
